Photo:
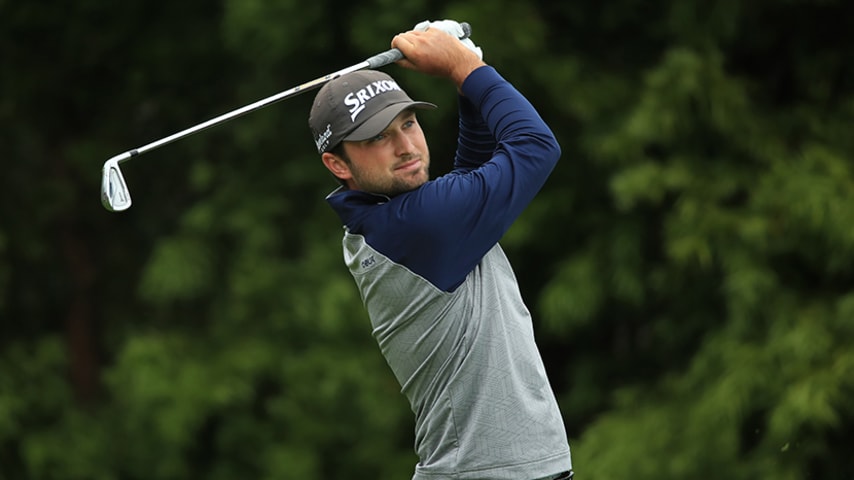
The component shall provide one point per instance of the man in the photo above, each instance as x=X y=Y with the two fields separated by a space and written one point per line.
x=441 y=295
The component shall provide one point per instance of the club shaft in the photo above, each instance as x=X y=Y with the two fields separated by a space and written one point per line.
x=376 y=61
x=379 y=60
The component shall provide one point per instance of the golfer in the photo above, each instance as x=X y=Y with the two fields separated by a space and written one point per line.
x=442 y=298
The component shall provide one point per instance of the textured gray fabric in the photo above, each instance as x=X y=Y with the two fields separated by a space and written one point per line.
x=469 y=366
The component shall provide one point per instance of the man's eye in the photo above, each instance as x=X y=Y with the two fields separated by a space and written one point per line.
x=376 y=138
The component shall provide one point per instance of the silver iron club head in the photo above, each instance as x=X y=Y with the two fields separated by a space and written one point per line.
x=114 y=191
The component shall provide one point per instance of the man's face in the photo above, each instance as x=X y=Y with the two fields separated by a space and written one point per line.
x=395 y=161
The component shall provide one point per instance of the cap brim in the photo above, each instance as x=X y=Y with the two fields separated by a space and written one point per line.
x=381 y=120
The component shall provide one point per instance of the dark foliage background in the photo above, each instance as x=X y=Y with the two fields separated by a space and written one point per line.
x=690 y=263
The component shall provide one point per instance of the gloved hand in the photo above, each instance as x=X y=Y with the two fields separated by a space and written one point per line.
x=453 y=28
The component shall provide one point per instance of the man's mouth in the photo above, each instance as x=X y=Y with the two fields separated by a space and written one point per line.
x=409 y=165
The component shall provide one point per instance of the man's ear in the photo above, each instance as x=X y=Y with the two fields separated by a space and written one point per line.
x=336 y=165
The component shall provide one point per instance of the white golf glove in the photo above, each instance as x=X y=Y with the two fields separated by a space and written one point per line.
x=453 y=28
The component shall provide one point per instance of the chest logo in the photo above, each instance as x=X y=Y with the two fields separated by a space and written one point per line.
x=369 y=262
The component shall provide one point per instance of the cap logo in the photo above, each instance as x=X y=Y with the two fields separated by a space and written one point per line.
x=322 y=140
x=357 y=100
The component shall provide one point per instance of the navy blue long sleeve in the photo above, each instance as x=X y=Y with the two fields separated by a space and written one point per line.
x=475 y=144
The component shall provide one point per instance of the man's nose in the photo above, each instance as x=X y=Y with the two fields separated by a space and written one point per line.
x=403 y=144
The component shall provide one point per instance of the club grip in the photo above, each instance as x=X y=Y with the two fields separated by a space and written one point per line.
x=393 y=55
x=385 y=58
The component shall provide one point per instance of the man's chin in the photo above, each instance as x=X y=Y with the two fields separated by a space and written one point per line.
x=420 y=179
x=409 y=184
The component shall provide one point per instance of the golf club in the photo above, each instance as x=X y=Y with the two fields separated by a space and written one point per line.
x=114 y=191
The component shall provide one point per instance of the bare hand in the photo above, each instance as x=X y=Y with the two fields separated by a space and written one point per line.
x=435 y=52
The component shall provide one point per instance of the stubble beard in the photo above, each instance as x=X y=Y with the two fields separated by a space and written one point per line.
x=407 y=184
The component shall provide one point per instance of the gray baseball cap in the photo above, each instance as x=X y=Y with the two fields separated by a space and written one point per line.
x=357 y=106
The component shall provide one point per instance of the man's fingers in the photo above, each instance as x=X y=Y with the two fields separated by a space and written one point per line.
x=406 y=43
